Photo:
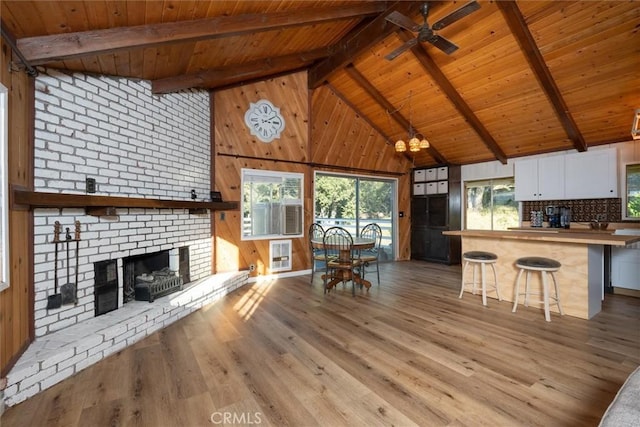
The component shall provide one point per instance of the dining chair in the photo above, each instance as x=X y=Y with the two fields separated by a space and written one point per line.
x=318 y=255
x=346 y=263
x=371 y=255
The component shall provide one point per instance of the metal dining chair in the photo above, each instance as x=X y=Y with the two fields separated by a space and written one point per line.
x=339 y=241
x=318 y=255
x=372 y=255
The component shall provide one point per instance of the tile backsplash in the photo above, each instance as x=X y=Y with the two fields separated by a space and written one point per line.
x=585 y=210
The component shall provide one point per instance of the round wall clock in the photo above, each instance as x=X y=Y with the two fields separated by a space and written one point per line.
x=264 y=120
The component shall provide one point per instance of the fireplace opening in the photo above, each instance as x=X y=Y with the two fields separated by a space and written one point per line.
x=150 y=276
x=105 y=286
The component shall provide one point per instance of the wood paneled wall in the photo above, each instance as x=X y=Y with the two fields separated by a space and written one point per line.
x=16 y=302
x=319 y=135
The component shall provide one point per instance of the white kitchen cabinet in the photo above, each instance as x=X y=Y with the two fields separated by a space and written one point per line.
x=540 y=178
x=591 y=175
x=625 y=268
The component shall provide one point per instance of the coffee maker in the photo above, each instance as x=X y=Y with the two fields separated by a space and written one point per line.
x=558 y=216
x=553 y=216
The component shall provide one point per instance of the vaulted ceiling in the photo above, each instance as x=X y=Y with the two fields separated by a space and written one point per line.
x=529 y=76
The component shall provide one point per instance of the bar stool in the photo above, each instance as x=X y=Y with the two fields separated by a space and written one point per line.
x=544 y=266
x=480 y=259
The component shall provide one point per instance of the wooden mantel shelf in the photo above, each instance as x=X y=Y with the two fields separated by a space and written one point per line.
x=106 y=205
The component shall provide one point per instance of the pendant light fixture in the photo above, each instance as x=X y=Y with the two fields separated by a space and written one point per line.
x=415 y=144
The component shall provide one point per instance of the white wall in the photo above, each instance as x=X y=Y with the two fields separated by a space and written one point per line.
x=135 y=144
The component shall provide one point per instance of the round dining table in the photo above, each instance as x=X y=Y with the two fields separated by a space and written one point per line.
x=345 y=275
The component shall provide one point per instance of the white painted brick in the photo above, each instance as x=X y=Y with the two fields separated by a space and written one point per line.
x=37 y=377
x=55 y=379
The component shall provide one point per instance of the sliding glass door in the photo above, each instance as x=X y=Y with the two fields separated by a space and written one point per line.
x=352 y=202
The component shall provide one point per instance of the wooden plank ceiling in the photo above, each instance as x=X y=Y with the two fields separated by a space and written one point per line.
x=529 y=76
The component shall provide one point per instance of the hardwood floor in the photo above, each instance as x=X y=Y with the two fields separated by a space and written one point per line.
x=408 y=352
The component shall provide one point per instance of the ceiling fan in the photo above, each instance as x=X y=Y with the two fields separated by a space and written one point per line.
x=426 y=33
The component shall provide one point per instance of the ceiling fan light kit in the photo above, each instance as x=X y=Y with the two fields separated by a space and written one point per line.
x=425 y=33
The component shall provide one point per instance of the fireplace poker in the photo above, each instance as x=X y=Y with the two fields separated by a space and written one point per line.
x=77 y=239
x=55 y=300
x=67 y=289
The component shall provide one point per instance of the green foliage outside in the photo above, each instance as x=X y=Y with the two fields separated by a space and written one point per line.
x=491 y=205
x=335 y=197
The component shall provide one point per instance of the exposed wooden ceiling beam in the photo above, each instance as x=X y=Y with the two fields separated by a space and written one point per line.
x=393 y=111
x=354 y=44
x=217 y=78
x=520 y=30
x=43 y=49
x=461 y=105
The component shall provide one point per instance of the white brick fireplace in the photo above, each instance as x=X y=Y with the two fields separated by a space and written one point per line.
x=134 y=144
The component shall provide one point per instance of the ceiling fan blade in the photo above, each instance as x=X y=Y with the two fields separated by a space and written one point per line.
x=443 y=44
x=402 y=21
x=406 y=46
x=465 y=10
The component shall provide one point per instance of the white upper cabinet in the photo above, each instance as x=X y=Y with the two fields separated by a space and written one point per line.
x=540 y=178
x=592 y=174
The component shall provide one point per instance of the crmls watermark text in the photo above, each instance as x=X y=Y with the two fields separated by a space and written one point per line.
x=245 y=418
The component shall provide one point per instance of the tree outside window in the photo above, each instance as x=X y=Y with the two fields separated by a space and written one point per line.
x=632 y=193
x=491 y=205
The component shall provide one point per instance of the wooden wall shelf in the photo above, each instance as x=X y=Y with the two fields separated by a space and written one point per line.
x=106 y=205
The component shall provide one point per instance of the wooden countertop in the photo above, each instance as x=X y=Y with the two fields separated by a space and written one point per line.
x=551 y=235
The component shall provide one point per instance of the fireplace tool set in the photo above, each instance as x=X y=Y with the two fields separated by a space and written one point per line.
x=69 y=291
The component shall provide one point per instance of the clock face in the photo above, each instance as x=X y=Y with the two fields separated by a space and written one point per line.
x=264 y=120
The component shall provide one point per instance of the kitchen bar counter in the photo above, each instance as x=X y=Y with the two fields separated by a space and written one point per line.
x=595 y=237
x=581 y=277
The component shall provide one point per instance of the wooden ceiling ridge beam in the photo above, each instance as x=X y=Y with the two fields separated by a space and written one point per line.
x=450 y=91
x=391 y=110
x=357 y=42
x=520 y=30
x=225 y=76
x=42 y=49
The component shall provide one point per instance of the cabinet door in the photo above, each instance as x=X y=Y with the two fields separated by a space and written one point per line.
x=438 y=249
x=591 y=175
x=419 y=211
x=419 y=242
x=551 y=178
x=526 y=179
x=540 y=179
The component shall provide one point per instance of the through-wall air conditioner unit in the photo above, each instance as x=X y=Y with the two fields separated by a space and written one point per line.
x=292 y=219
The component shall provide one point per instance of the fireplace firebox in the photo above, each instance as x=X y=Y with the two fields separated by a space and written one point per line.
x=149 y=276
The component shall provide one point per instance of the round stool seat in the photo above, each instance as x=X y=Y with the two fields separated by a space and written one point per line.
x=479 y=256
x=538 y=263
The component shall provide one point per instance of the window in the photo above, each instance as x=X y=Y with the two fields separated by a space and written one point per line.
x=4 y=191
x=352 y=202
x=271 y=204
x=632 y=192
x=491 y=205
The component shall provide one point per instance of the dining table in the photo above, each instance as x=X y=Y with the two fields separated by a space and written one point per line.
x=359 y=243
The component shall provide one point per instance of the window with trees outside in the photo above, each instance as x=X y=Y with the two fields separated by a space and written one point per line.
x=352 y=202
x=272 y=204
x=632 y=191
x=491 y=205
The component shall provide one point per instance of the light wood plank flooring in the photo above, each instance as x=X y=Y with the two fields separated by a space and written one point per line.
x=408 y=352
